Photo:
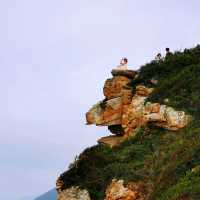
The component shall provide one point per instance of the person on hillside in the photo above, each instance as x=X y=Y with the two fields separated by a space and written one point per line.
x=158 y=57
x=168 y=52
x=123 y=64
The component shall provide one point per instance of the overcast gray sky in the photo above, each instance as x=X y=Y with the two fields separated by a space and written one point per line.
x=54 y=59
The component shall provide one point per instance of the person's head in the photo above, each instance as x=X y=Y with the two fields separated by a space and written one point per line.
x=159 y=55
x=167 y=49
x=124 y=61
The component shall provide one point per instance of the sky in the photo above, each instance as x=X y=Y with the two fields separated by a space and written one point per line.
x=54 y=59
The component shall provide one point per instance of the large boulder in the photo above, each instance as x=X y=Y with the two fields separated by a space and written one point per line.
x=114 y=87
x=139 y=113
x=105 y=113
x=126 y=107
x=112 y=140
x=127 y=73
x=73 y=193
x=169 y=118
x=141 y=90
x=116 y=191
x=133 y=191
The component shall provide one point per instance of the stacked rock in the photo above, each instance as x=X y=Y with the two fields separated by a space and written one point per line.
x=125 y=109
x=118 y=94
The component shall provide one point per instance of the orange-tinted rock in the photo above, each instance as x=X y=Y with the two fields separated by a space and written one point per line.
x=90 y=118
x=138 y=114
x=105 y=113
x=114 y=87
x=143 y=91
x=143 y=190
x=127 y=96
x=133 y=191
x=117 y=191
x=130 y=111
x=133 y=115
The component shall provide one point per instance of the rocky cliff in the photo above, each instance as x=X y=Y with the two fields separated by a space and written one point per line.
x=126 y=109
x=153 y=152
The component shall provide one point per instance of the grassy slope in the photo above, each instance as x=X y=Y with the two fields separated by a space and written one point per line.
x=163 y=159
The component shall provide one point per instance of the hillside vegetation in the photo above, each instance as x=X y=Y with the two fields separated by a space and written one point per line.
x=167 y=161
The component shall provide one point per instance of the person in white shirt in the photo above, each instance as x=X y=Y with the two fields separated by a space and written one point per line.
x=123 y=64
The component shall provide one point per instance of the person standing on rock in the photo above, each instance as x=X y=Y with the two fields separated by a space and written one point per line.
x=123 y=64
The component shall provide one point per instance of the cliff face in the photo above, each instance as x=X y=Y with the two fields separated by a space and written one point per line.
x=125 y=109
x=154 y=118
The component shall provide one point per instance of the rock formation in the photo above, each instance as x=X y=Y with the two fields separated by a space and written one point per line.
x=116 y=190
x=72 y=193
x=133 y=191
x=162 y=161
x=125 y=109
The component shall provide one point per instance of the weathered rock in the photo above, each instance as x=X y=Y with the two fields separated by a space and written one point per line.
x=73 y=193
x=171 y=119
x=127 y=73
x=127 y=96
x=133 y=191
x=114 y=87
x=133 y=115
x=142 y=189
x=143 y=91
x=131 y=112
x=105 y=113
x=116 y=191
x=166 y=117
x=112 y=140
x=152 y=108
x=138 y=114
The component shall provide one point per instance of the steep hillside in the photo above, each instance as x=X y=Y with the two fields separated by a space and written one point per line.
x=165 y=162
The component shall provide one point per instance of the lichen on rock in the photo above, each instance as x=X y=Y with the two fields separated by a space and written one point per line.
x=73 y=193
